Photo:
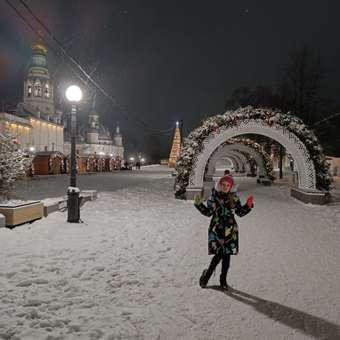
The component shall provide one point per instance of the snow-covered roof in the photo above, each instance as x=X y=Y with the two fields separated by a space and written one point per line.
x=14 y=118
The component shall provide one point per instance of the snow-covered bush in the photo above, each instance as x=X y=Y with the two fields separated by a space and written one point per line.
x=193 y=144
x=14 y=164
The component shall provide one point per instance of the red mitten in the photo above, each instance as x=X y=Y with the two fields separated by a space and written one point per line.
x=250 y=201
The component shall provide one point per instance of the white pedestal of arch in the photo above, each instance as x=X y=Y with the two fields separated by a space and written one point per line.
x=310 y=196
x=192 y=191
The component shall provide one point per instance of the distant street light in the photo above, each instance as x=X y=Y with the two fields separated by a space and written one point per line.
x=73 y=95
x=142 y=160
x=132 y=159
x=31 y=149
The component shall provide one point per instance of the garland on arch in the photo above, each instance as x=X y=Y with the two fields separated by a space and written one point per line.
x=193 y=144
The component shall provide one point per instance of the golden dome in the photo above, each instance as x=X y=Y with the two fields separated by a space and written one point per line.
x=39 y=47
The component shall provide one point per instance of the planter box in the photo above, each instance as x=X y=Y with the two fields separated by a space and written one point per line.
x=22 y=213
x=50 y=207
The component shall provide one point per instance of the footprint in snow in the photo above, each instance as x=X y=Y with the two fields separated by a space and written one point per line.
x=164 y=250
x=27 y=283
x=10 y=274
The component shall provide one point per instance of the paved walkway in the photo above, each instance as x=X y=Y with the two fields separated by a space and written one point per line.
x=41 y=187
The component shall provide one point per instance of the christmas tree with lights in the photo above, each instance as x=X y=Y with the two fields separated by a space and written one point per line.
x=176 y=147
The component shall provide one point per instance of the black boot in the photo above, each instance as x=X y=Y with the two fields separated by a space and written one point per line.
x=208 y=272
x=204 y=278
x=223 y=282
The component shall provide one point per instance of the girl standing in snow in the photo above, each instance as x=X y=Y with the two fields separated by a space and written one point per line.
x=223 y=229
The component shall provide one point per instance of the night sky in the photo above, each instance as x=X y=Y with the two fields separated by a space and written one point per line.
x=164 y=61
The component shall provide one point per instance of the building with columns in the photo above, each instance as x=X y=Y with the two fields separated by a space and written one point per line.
x=33 y=134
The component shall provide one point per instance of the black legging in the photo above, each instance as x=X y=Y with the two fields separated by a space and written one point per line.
x=216 y=260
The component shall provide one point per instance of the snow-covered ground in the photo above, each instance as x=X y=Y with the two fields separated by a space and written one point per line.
x=131 y=271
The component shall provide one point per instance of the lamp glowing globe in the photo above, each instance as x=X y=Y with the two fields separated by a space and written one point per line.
x=74 y=93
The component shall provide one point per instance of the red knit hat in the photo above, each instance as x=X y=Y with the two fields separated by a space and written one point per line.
x=228 y=179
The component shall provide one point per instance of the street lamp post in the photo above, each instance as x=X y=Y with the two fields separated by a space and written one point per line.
x=74 y=95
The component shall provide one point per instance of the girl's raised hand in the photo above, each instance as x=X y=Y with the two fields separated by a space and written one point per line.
x=250 y=201
x=198 y=199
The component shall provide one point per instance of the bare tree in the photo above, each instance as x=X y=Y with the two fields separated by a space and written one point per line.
x=240 y=97
x=260 y=96
x=153 y=149
x=299 y=89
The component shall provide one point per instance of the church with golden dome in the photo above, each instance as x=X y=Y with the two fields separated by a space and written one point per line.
x=38 y=126
x=35 y=124
x=38 y=89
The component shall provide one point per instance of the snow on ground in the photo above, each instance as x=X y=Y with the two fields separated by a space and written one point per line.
x=131 y=271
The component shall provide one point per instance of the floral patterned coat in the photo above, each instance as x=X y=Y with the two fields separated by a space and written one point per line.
x=223 y=229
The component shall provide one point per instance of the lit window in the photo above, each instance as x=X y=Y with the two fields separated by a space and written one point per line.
x=37 y=88
x=29 y=89
x=47 y=90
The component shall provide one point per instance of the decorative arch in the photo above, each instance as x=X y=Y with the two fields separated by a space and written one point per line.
x=240 y=147
x=286 y=129
x=305 y=166
x=227 y=163
x=239 y=157
x=233 y=160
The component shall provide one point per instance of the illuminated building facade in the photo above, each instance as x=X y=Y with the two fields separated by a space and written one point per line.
x=95 y=139
x=37 y=126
